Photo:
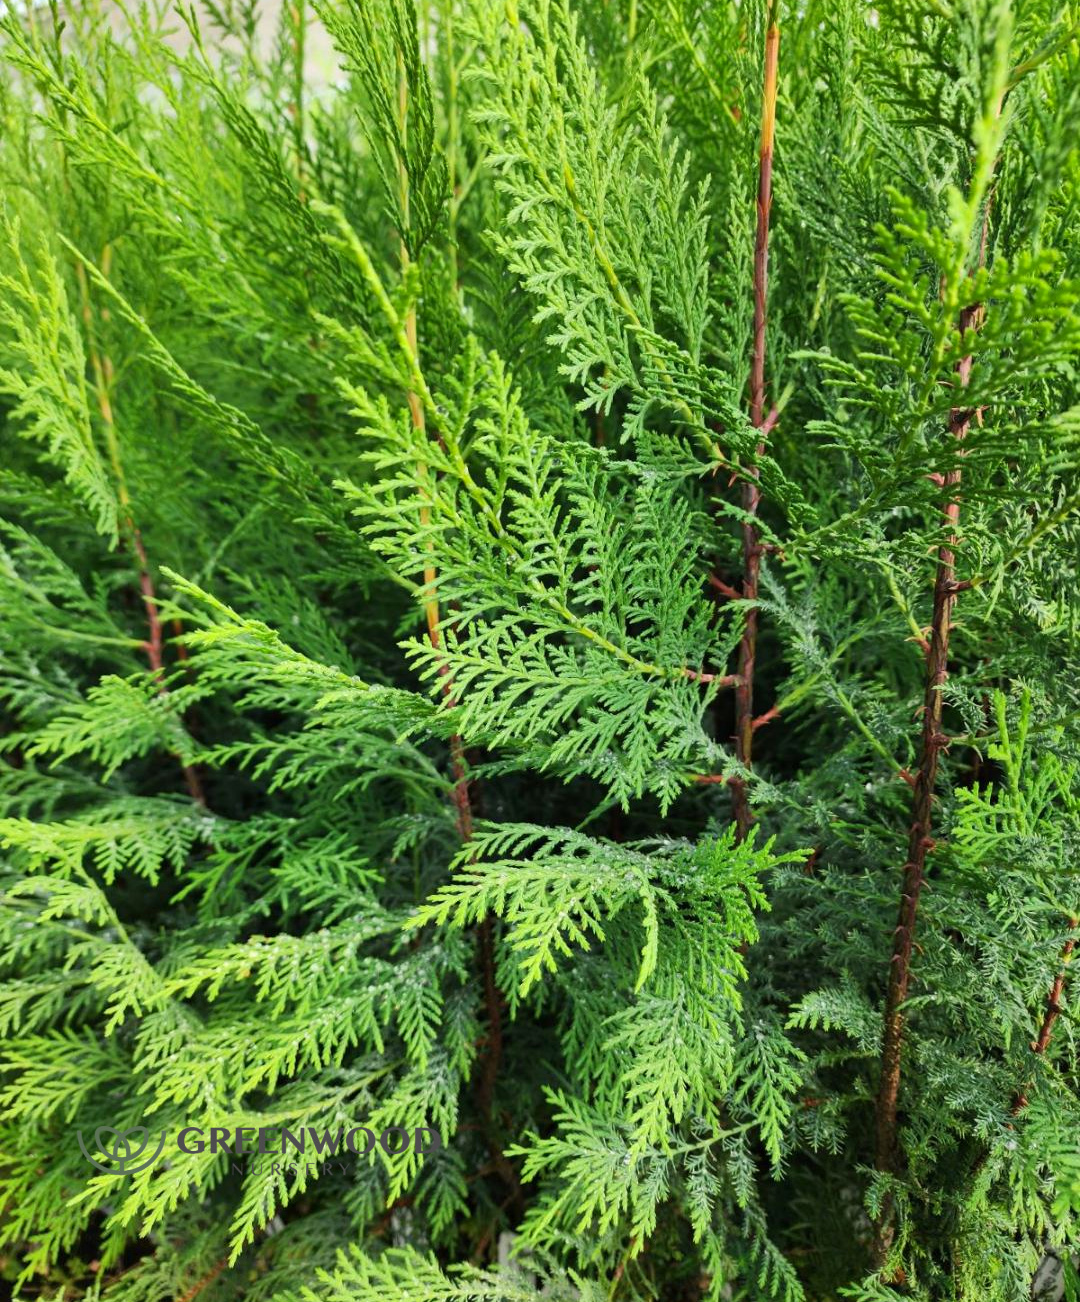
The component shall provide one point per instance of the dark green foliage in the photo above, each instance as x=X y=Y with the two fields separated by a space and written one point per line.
x=294 y=375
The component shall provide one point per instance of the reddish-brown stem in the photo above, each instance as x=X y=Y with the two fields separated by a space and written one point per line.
x=721 y=680
x=1053 y=1010
x=419 y=421
x=724 y=589
x=207 y=1279
x=154 y=647
x=462 y=798
x=146 y=586
x=378 y=1228
x=484 y=1241
x=458 y=767
x=489 y=1068
x=102 y=368
x=486 y=1083
x=920 y=839
x=1053 y=1001
x=751 y=491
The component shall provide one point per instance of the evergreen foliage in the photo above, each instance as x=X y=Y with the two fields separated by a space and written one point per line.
x=417 y=493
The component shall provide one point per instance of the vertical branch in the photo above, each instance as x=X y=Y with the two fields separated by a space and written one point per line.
x=751 y=491
x=297 y=19
x=920 y=839
x=453 y=128
x=761 y=240
x=102 y=368
x=416 y=414
x=206 y=1280
x=485 y=939
x=1053 y=1002
x=461 y=798
x=1051 y=1013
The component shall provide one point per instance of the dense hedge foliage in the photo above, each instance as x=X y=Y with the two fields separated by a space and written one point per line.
x=538 y=599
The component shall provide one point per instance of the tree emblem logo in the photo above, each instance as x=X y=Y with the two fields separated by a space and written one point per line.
x=122 y=1148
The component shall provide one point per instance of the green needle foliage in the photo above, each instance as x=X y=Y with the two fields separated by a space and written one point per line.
x=393 y=541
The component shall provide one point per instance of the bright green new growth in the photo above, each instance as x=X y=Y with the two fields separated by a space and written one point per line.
x=372 y=564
